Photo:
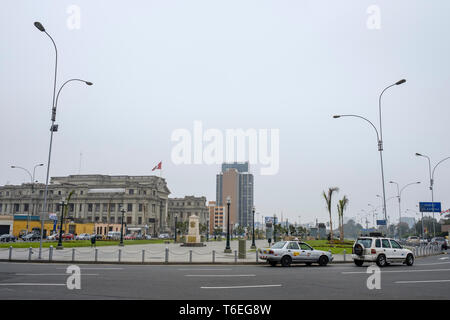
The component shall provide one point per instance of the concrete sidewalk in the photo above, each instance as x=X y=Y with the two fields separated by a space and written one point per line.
x=146 y=253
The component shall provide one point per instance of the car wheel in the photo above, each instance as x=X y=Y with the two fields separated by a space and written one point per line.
x=409 y=260
x=272 y=263
x=323 y=261
x=286 y=261
x=359 y=263
x=381 y=260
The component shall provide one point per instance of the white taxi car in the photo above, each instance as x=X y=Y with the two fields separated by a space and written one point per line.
x=288 y=252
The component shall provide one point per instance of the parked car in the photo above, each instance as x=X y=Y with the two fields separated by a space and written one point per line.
x=163 y=236
x=439 y=241
x=381 y=250
x=53 y=236
x=31 y=237
x=97 y=236
x=130 y=237
x=147 y=237
x=288 y=252
x=83 y=236
x=113 y=235
x=413 y=241
x=7 y=238
x=67 y=236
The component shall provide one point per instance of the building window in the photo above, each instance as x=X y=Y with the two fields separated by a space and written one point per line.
x=71 y=207
x=81 y=192
x=129 y=207
x=25 y=207
x=131 y=191
x=112 y=207
x=139 y=220
x=140 y=207
x=16 y=207
x=105 y=207
x=97 y=207
x=128 y=220
x=80 y=208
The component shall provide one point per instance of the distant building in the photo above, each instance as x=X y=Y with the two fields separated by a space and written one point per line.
x=185 y=207
x=236 y=182
x=408 y=220
x=144 y=199
x=217 y=217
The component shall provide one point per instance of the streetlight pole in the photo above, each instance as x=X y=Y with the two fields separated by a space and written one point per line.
x=122 y=210
x=227 y=247
x=399 y=195
x=32 y=188
x=53 y=128
x=60 y=245
x=431 y=184
x=175 y=233
x=379 y=140
x=253 y=239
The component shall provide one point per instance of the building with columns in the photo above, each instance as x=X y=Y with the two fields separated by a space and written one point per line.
x=144 y=198
x=185 y=207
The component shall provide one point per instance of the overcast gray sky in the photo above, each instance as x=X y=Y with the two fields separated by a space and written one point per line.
x=160 y=65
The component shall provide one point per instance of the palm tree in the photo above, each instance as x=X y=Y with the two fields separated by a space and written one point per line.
x=328 y=198
x=342 y=205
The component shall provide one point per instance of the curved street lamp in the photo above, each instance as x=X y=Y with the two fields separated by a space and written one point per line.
x=379 y=138
x=399 y=195
x=431 y=183
x=53 y=128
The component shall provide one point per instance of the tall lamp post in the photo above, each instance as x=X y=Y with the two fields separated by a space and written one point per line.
x=379 y=139
x=60 y=245
x=253 y=239
x=53 y=128
x=431 y=184
x=227 y=247
x=399 y=195
x=175 y=233
x=32 y=188
x=122 y=210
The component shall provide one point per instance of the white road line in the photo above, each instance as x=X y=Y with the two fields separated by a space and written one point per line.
x=242 y=287
x=53 y=274
x=82 y=268
x=33 y=284
x=397 y=271
x=220 y=275
x=212 y=269
x=431 y=264
x=422 y=281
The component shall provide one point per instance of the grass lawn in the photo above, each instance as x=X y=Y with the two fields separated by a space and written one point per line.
x=77 y=243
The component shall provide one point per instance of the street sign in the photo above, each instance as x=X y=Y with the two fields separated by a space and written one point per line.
x=381 y=222
x=430 y=207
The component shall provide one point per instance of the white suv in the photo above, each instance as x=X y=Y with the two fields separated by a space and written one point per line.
x=381 y=250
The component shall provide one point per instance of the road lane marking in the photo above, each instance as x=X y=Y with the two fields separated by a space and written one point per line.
x=220 y=275
x=396 y=271
x=32 y=284
x=212 y=269
x=82 y=268
x=52 y=274
x=422 y=281
x=243 y=287
x=431 y=264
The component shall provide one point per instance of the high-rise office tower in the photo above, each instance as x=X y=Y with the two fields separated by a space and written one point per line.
x=235 y=181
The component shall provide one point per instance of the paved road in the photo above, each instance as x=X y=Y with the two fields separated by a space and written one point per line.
x=429 y=278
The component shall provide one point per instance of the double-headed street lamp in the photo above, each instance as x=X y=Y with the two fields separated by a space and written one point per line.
x=399 y=195
x=227 y=247
x=379 y=138
x=122 y=210
x=32 y=188
x=431 y=184
x=60 y=245
x=53 y=128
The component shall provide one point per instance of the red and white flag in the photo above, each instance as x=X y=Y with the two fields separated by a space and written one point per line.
x=158 y=166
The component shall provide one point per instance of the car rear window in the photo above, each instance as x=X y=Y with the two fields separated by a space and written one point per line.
x=367 y=243
x=279 y=245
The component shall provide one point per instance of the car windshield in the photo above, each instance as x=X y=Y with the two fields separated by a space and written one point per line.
x=367 y=243
x=279 y=245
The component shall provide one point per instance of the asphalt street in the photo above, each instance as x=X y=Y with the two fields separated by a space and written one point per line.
x=429 y=278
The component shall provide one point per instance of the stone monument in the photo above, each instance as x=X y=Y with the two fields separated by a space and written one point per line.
x=193 y=237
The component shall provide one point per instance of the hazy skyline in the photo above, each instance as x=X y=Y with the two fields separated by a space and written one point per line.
x=158 y=66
